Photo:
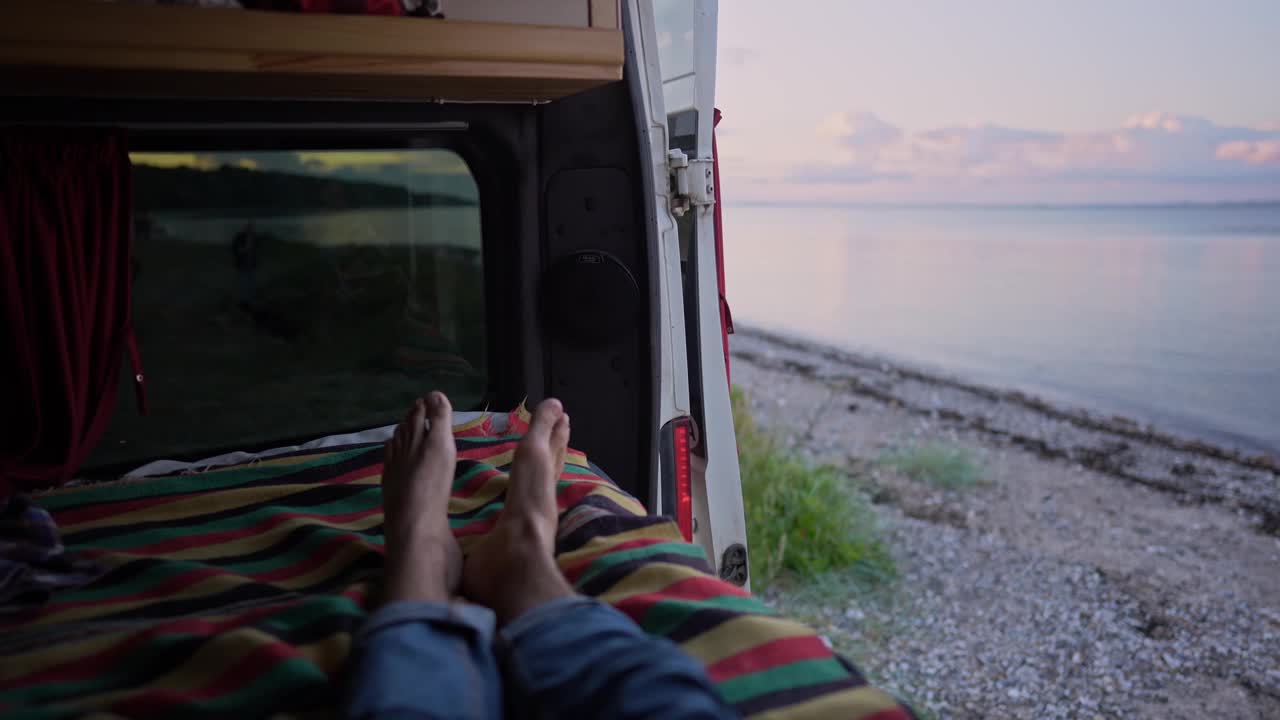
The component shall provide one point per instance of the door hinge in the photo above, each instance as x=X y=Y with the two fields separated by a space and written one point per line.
x=692 y=182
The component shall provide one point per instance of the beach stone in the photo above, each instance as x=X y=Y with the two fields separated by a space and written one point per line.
x=1069 y=583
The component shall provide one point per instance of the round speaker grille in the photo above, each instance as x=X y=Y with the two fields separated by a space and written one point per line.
x=589 y=298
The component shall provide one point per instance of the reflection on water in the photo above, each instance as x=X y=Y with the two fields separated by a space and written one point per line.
x=1170 y=315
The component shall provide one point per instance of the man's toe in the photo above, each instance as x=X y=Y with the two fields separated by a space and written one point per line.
x=544 y=419
x=440 y=412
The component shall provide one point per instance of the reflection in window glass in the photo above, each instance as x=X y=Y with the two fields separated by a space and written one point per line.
x=286 y=295
x=675 y=21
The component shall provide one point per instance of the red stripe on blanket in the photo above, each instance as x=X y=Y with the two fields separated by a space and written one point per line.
x=769 y=655
x=92 y=665
x=96 y=511
x=320 y=556
x=222 y=536
x=356 y=593
x=575 y=569
x=569 y=496
x=155 y=702
x=168 y=587
x=474 y=484
x=582 y=475
x=697 y=589
x=518 y=420
x=176 y=584
x=486 y=453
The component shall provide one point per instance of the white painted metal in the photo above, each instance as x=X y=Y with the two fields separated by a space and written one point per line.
x=688 y=28
x=692 y=182
x=673 y=373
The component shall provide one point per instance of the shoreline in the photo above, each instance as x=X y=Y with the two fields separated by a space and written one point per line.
x=1096 y=568
x=1192 y=469
x=1062 y=407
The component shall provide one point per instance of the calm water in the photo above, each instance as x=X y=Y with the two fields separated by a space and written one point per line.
x=1166 y=315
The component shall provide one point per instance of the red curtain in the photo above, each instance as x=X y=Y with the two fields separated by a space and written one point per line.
x=65 y=202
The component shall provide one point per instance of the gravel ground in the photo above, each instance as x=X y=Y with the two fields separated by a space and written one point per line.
x=1101 y=569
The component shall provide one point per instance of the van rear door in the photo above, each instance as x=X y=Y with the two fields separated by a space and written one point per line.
x=686 y=39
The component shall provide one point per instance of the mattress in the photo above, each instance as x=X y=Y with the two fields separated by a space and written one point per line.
x=235 y=588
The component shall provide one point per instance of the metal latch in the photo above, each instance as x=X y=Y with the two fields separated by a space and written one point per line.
x=692 y=182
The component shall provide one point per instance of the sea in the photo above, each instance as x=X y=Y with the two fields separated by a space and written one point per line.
x=1167 y=315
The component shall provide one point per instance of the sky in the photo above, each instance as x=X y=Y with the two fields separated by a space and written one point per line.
x=999 y=101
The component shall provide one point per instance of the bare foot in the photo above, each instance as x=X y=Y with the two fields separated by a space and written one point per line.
x=423 y=560
x=513 y=569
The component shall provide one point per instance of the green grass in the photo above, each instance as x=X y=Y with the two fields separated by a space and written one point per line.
x=802 y=521
x=813 y=536
x=942 y=466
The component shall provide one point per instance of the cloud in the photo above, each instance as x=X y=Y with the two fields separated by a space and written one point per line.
x=858 y=129
x=860 y=142
x=1261 y=152
x=1156 y=148
x=846 y=175
x=1168 y=122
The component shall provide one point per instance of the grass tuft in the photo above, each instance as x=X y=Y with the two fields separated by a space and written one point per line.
x=942 y=466
x=802 y=521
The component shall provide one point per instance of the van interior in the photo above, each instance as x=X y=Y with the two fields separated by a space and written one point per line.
x=240 y=241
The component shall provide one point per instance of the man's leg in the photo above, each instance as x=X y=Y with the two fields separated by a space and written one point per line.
x=565 y=655
x=421 y=656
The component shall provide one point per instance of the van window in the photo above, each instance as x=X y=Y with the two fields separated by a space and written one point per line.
x=284 y=295
x=676 y=21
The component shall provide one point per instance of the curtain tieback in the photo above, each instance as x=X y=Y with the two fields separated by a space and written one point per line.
x=135 y=362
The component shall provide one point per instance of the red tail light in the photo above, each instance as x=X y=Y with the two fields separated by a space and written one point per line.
x=683 y=477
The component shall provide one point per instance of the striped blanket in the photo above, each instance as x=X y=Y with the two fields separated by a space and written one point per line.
x=236 y=591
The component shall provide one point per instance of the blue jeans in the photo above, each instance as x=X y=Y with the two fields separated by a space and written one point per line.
x=570 y=658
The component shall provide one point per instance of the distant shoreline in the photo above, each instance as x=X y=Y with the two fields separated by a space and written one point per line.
x=271 y=192
x=889 y=403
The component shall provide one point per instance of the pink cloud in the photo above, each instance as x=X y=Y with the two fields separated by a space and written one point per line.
x=1153 y=148
x=1166 y=121
x=1260 y=152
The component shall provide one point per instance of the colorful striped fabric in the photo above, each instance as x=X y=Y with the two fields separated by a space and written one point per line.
x=237 y=591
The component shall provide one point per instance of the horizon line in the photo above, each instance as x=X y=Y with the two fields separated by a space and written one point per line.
x=1010 y=206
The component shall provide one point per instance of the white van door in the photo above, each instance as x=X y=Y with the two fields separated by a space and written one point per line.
x=685 y=34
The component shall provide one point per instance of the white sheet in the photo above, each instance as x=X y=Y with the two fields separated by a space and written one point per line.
x=373 y=435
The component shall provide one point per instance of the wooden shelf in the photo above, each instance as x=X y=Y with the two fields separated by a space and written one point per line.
x=83 y=48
